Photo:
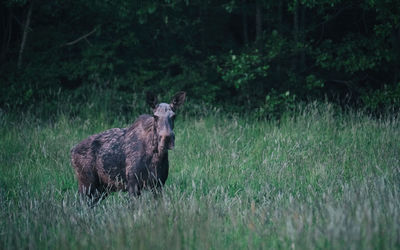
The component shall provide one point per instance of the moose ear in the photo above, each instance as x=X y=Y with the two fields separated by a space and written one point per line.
x=151 y=100
x=178 y=100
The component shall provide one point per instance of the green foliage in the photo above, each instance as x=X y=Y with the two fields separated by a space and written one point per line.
x=352 y=55
x=313 y=82
x=276 y=104
x=381 y=99
x=242 y=69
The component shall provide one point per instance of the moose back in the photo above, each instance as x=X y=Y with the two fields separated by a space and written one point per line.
x=131 y=158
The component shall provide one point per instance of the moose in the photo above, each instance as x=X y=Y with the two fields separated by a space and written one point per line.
x=128 y=159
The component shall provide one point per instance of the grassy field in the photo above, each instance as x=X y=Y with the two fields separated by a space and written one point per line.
x=319 y=179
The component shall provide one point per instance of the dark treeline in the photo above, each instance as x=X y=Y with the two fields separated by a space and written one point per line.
x=261 y=55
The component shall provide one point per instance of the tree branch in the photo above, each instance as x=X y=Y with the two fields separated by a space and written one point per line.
x=24 y=35
x=80 y=38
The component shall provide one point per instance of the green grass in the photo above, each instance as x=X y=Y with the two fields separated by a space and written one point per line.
x=319 y=179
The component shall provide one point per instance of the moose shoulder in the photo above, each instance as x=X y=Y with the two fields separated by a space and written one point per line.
x=131 y=158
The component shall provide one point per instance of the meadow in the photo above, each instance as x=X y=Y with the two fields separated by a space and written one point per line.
x=318 y=178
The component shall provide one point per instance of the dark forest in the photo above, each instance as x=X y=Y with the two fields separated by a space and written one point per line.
x=240 y=55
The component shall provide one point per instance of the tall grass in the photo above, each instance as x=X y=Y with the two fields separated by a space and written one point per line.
x=317 y=179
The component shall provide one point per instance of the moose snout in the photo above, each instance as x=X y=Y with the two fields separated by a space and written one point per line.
x=167 y=140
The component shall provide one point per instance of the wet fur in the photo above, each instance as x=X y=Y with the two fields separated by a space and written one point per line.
x=128 y=159
x=120 y=159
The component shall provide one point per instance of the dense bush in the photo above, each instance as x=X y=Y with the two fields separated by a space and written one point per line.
x=241 y=55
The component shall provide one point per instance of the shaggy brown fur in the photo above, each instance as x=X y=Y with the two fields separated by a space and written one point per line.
x=128 y=159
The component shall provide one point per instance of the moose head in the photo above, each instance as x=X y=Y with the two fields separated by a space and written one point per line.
x=164 y=116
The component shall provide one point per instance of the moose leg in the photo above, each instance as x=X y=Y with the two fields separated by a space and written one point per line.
x=89 y=186
x=162 y=176
x=133 y=185
x=134 y=176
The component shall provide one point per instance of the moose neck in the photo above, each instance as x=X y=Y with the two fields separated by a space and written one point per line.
x=144 y=132
x=159 y=149
x=157 y=154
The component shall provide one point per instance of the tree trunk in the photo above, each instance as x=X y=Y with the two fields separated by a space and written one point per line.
x=7 y=32
x=244 y=22
x=201 y=29
x=280 y=16
x=396 y=50
x=24 y=34
x=258 y=23
x=278 y=66
x=302 y=38
x=295 y=34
